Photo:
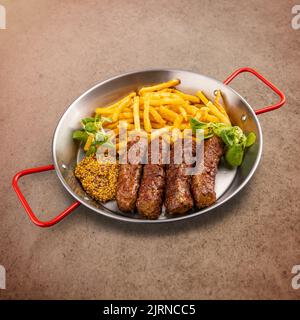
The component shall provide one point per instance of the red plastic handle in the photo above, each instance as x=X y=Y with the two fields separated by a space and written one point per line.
x=264 y=80
x=25 y=204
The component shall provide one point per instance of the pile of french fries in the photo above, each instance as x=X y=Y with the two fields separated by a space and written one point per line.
x=163 y=107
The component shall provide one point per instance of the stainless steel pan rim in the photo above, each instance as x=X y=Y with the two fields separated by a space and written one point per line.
x=172 y=219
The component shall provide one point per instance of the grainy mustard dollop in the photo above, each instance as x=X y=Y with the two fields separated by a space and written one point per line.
x=99 y=180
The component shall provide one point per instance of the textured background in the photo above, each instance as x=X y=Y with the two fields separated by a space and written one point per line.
x=51 y=52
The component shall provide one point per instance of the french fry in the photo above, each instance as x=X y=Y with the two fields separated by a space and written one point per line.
x=203 y=114
x=170 y=94
x=202 y=97
x=211 y=118
x=167 y=114
x=198 y=115
x=88 y=143
x=218 y=104
x=162 y=94
x=110 y=109
x=152 y=120
x=204 y=109
x=183 y=113
x=157 y=117
x=174 y=108
x=136 y=113
x=178 y=121
x=188 y=97
x=213 y=109
x=104 y=111
x=131 y=120
x=111 y=126
x=168 y=84
x=157 y=102
x=147 y=122
x=164 y=101
x=190 y=109
x=115 y=125
x=130 y=126
x=156 y=125
x=126 y=115
x=185 y=126
x=199 y=105
x=125 y=103
x=179 y=110
x=220 y=108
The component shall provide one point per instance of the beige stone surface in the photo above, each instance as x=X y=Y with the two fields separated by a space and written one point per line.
x=50 y=53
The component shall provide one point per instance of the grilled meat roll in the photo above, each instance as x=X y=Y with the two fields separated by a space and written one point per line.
x=178 y=195
x=150 y=199
x=129 y=180
x=203 y=184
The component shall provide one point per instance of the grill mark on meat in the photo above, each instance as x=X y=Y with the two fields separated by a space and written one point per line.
x=178 y=194
x=129 y=182
x=150 y=198
x=203 y=184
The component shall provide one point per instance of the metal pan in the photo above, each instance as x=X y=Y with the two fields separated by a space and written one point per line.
x=66 y=154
